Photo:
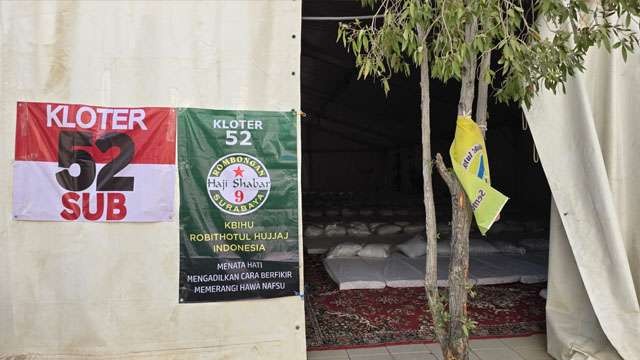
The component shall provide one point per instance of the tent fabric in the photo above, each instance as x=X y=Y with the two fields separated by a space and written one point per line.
x=98 y=290
x=588 y=142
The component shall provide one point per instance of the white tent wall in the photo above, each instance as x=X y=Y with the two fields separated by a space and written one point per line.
x=81 y=289
x=588 y=143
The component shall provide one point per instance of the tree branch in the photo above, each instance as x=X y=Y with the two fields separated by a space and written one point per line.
x=483 y=93
x=445 y=174
x=465 y=105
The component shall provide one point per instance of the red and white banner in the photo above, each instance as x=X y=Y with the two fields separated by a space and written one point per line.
x=93 y=163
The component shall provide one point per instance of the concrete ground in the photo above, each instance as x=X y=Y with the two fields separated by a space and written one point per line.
x=520 y=348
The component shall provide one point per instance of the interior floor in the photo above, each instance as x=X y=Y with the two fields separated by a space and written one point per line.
x=531 y=347
x=346 y=319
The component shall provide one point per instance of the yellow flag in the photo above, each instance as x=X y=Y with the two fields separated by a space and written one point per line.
x=471 y=166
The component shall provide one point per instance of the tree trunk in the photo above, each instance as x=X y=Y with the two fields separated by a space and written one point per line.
x=457 y=345
x=431 y=272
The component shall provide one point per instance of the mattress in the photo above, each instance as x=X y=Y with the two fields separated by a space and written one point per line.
x=528 y=272
x=399 y=270
x=488 y=270
x=356 y=272
x=403 y=271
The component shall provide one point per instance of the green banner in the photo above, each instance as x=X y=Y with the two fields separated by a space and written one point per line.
x=238 y=204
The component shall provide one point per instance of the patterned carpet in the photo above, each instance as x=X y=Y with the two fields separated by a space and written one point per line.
x=356 y=318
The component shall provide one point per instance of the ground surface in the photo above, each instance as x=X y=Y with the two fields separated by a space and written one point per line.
x=520 y=348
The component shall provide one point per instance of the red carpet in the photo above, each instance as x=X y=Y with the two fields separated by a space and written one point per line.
x=356 y=318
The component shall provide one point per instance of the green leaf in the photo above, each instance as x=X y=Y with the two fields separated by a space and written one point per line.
x=385 y=85
x=457 y=71
x=507 y=52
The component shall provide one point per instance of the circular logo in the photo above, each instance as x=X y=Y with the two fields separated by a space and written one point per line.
x=238 y=184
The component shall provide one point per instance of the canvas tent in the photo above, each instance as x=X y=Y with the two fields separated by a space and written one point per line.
x=587 y=141
x=76 y=290
x=110 y=290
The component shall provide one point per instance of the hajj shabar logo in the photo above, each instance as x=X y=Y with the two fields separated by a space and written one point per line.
x=238 y=184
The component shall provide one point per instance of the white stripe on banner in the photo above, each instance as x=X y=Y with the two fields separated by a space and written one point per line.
x=38 y=196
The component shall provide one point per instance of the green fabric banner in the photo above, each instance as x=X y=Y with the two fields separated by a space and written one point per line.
x=238 y=204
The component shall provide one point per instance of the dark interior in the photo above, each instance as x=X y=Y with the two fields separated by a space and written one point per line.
x=361 y=147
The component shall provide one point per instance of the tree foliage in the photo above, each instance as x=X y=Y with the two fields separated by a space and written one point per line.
x=535 y=44
x=538 y=43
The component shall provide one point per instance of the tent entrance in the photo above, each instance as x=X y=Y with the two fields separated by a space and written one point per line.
x=362 y=184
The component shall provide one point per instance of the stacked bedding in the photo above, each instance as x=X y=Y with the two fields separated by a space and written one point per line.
x=405 y=266
x=320 y=237
x=399 y=271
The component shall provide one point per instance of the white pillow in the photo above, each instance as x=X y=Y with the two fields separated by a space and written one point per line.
x=414 y=247
x=388 y=229
x=375 y=251
x=358 y=229
x=374 y=225
x=543 y=293
x=413 y=228
x=344 y=250
x=313 y=230
x=335 y=230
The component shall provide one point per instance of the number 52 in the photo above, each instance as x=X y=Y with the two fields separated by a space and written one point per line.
x=232 y=137
x=107 y=181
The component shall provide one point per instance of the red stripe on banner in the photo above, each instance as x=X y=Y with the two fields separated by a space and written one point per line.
x=49 y=131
